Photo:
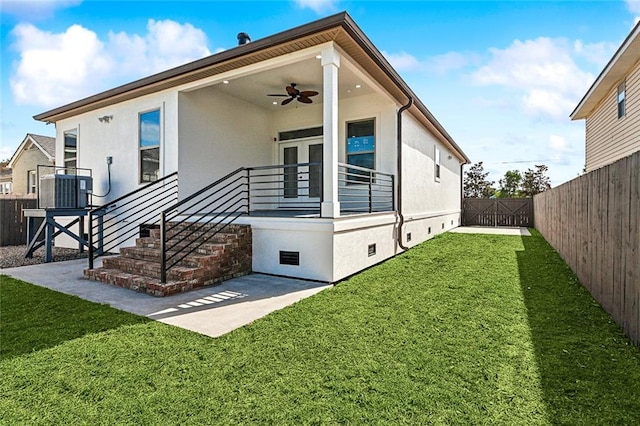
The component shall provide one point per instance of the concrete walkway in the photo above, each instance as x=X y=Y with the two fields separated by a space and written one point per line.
x=212 y=311
x=500 y=230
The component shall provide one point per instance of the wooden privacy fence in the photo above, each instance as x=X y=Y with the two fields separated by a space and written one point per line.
x=497 y=212
x=593 y=222
x=13 y=226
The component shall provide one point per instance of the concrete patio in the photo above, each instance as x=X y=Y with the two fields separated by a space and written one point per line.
x=212 y=311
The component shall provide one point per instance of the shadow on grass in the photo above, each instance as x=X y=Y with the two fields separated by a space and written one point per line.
x=589 y=371
x=34 y=318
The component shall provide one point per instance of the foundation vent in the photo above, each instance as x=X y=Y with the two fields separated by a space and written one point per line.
x=408 y=236
x=371 y=250
x=290 y=258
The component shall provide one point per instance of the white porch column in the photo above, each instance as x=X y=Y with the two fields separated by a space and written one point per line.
x=330 y=64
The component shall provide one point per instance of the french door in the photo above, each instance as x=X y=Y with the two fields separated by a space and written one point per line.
x=301 y=183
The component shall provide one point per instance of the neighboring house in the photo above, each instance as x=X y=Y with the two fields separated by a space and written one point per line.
x=611 y=107
x=210 y=117
x=5 y=181
x=34 y=151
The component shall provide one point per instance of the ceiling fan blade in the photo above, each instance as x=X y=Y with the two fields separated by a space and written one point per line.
x=286 y=101
x=277 y=94
x=292 y=91
x=308 y=93
x=304 y=99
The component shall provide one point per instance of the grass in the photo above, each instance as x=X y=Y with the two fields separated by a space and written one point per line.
x=33 y=318
x=464 y=329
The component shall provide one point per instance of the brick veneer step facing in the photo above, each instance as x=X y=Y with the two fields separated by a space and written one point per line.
x=224 y=256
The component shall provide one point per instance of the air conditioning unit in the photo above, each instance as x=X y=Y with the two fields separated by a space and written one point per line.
x=65 y=191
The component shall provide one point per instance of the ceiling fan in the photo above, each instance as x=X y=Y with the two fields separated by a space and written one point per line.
x=293 y=93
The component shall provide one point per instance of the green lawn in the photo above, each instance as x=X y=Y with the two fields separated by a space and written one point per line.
x=464 y=329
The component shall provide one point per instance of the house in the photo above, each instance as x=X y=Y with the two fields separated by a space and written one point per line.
x=34 y=151
x=5 y=180
x=329 y=157
x=611 y=107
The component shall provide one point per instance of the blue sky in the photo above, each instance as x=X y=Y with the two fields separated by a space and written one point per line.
x=501 y=76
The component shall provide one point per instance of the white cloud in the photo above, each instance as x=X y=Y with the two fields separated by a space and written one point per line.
x=543 y=69
x=167 y=44
x=450 y=61
x=559 y=144
x=633 y=6
x=596 y=53
x=57 y=68
x=318 y=6
x=35 y=9
x=402 y=61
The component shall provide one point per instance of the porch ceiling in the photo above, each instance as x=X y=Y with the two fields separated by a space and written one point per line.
x=306 y=74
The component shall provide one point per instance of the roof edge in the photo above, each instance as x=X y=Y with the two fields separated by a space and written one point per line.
x=28 y=136
x=230 y=54
x=635 y=32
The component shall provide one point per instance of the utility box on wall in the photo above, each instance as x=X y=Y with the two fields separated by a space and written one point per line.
x=59 y=191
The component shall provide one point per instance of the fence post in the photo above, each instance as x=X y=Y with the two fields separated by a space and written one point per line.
x=163 y=254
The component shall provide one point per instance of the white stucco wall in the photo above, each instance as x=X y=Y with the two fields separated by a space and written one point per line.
x=422 y=193
x=119 y=139
x=218 y=134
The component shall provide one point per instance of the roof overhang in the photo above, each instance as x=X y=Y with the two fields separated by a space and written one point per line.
x=625 y=58
x=28 y=138
x=339 y=29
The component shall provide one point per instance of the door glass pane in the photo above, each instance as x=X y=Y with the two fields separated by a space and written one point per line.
x=290 y=173
x=315 y=172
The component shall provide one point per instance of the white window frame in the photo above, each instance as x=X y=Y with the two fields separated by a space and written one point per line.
x=70 y=162
x=32 y=182
x=622 y=99
x=436 y=164
x=141 y=148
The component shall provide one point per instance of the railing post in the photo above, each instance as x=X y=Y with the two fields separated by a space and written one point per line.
x=101 y=232
x=370 y=192
x=248 y=192
x=393 y=192
x=163 y=254
x=90 y=240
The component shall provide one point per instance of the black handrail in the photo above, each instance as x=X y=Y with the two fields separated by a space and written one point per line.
x=141 y=205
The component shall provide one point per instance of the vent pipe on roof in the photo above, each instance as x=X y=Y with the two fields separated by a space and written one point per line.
x=243 y=38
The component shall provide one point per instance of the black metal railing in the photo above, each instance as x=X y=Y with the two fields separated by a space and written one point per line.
x=114 y=223
x=186 y=225
x=362 y=190
x=285 y=188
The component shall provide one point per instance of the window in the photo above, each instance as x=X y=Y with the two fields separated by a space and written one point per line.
x=436 y=160
x=149 y=144
x=31 y=182
x=622 y=92
x=299 y=134
x=70 y=151
x=361 y=147
x=5 y=188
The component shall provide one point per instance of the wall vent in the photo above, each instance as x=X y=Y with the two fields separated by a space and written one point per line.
x=290 y=258
x=452 y=221
x=408 y=236
x=371 y=250
x=442 y=225
x=429 y=230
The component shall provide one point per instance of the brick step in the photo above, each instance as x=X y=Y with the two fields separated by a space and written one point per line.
x=197 y=230
x=205 y=248
x=193 y=260
x=148 y=268
x=151 y=286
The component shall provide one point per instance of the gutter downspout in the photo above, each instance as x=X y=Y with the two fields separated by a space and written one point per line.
x=399 y=180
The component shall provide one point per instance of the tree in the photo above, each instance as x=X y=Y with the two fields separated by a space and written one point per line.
x=510 y=184
x=535 y=181
x=476 y=184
